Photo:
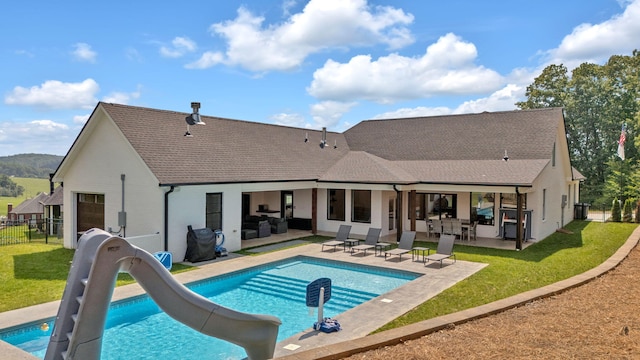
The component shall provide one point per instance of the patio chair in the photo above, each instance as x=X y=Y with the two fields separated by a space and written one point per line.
x=341 y=236
x=446 y=226
x=435 y=228
x=444 y=250
x=456 y=228
x=370 y=242
x=471 y=231
x=405 y=245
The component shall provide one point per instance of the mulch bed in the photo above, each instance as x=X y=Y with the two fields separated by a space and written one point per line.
x=598 y=320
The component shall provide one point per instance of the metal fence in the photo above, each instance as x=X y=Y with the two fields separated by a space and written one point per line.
x=603 y=213
x=29 y=230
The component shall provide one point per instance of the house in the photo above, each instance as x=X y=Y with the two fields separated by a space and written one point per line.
x=29 y=209
x=136 y=172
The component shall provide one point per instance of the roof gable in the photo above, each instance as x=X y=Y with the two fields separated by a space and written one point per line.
x=360 y=166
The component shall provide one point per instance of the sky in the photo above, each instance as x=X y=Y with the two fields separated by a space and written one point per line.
x=308 y=64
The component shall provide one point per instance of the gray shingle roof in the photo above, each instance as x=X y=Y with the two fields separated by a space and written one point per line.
x=464 y=149
x=525 y=134
x=55 y=198
x=31 y=206
x=223 y=150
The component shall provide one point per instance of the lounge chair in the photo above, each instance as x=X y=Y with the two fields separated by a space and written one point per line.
x=341 y=236
x=370 y=242
x=405 y=245
x=444 y=250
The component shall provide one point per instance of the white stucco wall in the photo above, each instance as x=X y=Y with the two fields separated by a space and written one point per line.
x=187 y=206
x=96 y=168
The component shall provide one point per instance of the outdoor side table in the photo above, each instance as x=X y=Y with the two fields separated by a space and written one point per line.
x=416 y=251
x=380 y=247
x=350 y=243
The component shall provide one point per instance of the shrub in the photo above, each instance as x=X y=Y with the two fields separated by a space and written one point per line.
x=627 y=210
x=615 y=211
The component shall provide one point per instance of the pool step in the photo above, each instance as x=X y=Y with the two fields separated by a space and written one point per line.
x=296 y=290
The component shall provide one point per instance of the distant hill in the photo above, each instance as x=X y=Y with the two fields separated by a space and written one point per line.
x=29 y=165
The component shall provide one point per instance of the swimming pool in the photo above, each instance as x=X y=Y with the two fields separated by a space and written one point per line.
x=137 y=328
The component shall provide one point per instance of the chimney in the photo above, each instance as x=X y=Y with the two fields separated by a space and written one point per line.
x=9 y=208
x=51 y=183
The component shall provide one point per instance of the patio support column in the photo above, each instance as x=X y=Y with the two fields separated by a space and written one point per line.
x=399 y=213
x=412 y=210
x=519 y=218
x=314 y=211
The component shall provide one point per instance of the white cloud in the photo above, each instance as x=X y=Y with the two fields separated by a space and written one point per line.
x=329 y=113
x=501 y=100
x=288 y=119
x=179 y=46
x=287 y=5
x=446 y=68
x=122 y=97
x=207 y=60
x=83 y=52
x=414 y=112
x=19 y=138
x=56 y=95
x=322 y=24
x=81 y=119
x=597 y=42
x=133 y=55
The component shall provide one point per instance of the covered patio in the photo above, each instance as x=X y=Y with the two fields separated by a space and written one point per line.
x=294 y=234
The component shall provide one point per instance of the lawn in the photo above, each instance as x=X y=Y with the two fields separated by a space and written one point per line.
x=32 y=187
x=36 y=273
x=558 y=257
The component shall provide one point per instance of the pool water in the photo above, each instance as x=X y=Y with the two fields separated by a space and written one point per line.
x=137 y=329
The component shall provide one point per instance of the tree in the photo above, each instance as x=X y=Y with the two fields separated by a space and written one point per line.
x=597 y=100
x=615 y=211
x=9 y=188
x=627 y=210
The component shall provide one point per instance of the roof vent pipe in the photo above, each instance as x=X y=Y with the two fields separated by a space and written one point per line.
x=323 y=142
x=194 y=118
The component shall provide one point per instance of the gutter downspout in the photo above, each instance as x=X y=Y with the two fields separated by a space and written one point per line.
x=166 y=218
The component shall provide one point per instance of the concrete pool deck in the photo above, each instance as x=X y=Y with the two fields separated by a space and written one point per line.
x=356 y=323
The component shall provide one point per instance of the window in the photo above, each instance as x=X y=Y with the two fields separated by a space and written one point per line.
x=553 y=155
x=361 y=206
x=510 y=201
x=483 y=208
x=442 y=205
x=214 y=211
x=335 y=204
x=419 y=207
x=544 y=203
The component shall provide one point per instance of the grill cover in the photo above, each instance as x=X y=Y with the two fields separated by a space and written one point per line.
x=201 y=245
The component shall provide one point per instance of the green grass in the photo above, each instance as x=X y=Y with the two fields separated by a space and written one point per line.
x=36 y=273
x=558 y=257
x=31 y=189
